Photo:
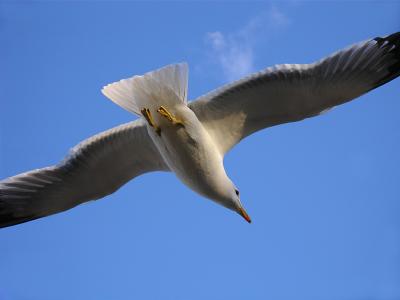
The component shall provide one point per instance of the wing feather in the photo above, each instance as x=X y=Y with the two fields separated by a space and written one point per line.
x=293 y=92
x=93 y=169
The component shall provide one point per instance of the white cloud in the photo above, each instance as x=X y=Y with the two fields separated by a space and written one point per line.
x=277 y=18
x=235 y=58
x=234 y=52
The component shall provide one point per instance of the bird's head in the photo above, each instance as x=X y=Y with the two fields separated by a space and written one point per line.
x=230 y=198
x=238 y=205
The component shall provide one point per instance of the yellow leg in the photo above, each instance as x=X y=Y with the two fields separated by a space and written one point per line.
x=149 y=118
x=165 y=113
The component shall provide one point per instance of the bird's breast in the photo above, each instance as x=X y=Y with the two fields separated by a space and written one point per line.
x=189 y=151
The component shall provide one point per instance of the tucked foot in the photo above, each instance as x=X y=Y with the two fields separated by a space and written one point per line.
x=165 y=113
x=149 y=118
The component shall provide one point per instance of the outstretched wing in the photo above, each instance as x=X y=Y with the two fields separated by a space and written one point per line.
x=94 y=168
x=288 y=93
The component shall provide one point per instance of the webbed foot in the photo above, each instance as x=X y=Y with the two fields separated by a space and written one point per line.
x=165 y=113
x=149 y=118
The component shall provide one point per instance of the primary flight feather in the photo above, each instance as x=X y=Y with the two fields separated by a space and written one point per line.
x=191 y=139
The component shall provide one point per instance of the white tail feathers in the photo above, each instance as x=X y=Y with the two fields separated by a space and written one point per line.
x=163 y=86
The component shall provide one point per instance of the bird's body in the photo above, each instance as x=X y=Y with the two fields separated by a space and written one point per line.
x=191 y=139
x=190 y=152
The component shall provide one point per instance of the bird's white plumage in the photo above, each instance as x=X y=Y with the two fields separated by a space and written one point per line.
x=137 y=92
x=193 y=139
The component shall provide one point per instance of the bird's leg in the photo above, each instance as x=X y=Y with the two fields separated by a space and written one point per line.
x=149 y=118
x=165 y=113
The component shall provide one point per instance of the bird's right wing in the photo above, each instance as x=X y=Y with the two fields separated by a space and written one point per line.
x=288 y=93
x=94 y=168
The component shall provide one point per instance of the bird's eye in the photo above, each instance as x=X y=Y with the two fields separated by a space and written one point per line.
x=237 y=192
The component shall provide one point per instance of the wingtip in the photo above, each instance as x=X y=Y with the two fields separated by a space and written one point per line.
x=391 y=45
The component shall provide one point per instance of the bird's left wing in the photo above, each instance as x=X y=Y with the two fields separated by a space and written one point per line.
x=288 y=93
x=94 y=168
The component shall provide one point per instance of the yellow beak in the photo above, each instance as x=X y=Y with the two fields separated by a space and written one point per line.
x=244 y=214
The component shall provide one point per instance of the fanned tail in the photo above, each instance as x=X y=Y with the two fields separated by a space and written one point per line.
x=164 y=86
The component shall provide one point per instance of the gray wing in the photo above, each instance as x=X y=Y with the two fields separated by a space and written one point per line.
x=288 y=93
x=94 y=168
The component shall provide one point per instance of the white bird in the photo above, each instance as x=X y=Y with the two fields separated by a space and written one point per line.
x=191 y=139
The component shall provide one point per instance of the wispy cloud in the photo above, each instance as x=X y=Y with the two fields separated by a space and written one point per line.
x=234 y=51
x=235 y=58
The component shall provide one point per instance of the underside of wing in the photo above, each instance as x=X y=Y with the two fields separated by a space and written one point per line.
x=292 y=92
x=94 y=168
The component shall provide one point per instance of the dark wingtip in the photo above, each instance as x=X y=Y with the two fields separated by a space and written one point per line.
x=10 y=220
x=391 y=45
x=393 y=38
x=7 y=217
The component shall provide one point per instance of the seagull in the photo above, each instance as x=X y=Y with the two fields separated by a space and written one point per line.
x=191 y=138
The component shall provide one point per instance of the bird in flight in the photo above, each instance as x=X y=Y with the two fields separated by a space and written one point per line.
x=191 y=138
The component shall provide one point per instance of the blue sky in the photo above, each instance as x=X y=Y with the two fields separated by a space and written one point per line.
x=323 y=193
